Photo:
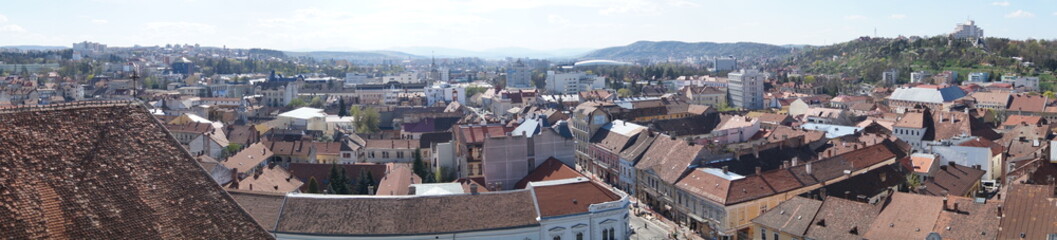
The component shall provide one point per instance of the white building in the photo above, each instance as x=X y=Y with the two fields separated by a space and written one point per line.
x=573 y=83
x=729 y=63
x=746 y=89
x=518 y=75
x=409 y=77
x=916 y=77
x=277 y=94
x=890 y=76
x=352 y=79
x=967 y=30
x=1027 y=83
x=978 y=77
x=445 y=92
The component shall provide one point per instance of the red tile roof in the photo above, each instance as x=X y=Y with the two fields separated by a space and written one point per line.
x=107 y=173
x=906 y=216
x=387 y=216
x=571 y=198
x=397 y=180
x=669 y=158
x=551 y=169
x=1028 y=210
x=1014 y=120
x=1028 y=103
x=477 y=134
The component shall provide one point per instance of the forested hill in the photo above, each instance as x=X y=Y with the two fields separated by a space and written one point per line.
x=869 y=57
x=647 y=50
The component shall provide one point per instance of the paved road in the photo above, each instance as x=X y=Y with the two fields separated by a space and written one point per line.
x=655 y=229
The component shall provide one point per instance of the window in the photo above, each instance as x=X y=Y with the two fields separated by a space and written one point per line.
x=346 y=155
x=775 y=235
x=580 y=236
x=557 y=237
x=763 y=234
x=399 y=154
x=385 y=154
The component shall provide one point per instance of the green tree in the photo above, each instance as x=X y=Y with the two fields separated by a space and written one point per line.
x=343 y=111
x=313 y=185
x=913 y=181
x=365 y=181
x=317 y=102
x=624 y=92
x=230 y=150
x=1049 y=94
x=367 y=120
x=296 y=103
x=338 y=180
x=421 y=168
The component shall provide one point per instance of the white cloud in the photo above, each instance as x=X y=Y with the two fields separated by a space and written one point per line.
x=1001 y=4
x=559 y=20
x=897 y=16
x=12 y=28
x=855 y=17
x=1055 y=13
x=3 y=18
x=630 y=6
x=1020 y=14
x=100 y=21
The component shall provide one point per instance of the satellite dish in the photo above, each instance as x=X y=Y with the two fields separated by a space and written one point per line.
x=933 y=236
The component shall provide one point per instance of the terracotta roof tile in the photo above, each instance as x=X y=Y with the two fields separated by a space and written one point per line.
x=669 y=158
x=366 y=216
x=837 y=217
x=571 y=198
x=551 y=169
x=107 y=173
x=791 y=216
x=1028 y=210
x=906 y=216
x=972 y=220
x=397 y=180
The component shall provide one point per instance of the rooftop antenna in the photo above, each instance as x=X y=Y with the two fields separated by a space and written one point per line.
x=875 y=32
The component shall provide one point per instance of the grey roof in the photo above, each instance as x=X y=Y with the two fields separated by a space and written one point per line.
x=929 y=95
x=793 y=216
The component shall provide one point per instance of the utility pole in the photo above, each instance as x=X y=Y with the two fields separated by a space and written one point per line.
x=135 y=77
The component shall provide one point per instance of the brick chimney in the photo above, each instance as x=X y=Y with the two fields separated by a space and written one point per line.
x=758 y=170
x=473 y=188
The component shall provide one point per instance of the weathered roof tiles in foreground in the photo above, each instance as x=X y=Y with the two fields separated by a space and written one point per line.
x=107 y=173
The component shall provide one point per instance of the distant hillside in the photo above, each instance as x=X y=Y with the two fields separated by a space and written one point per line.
x=365 y=55
x=868 y=58
x=644 y=50
x=495 y=53
x=34 y=47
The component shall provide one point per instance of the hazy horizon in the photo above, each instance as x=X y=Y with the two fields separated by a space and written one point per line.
x=482 y=25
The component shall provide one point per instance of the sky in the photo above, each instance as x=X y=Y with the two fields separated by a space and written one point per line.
x=480 y=25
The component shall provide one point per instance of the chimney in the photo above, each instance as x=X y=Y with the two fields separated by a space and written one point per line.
x=955 y=207
x=756 y=151
x=999 y=210
x=808 y=168
x=758 y=170
x=945 y=203
x=785 y=164
x=473 y=188
x=725 y=170
x=370 y=190
x=410 y=190
x=796 y=161
x=822 y=193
